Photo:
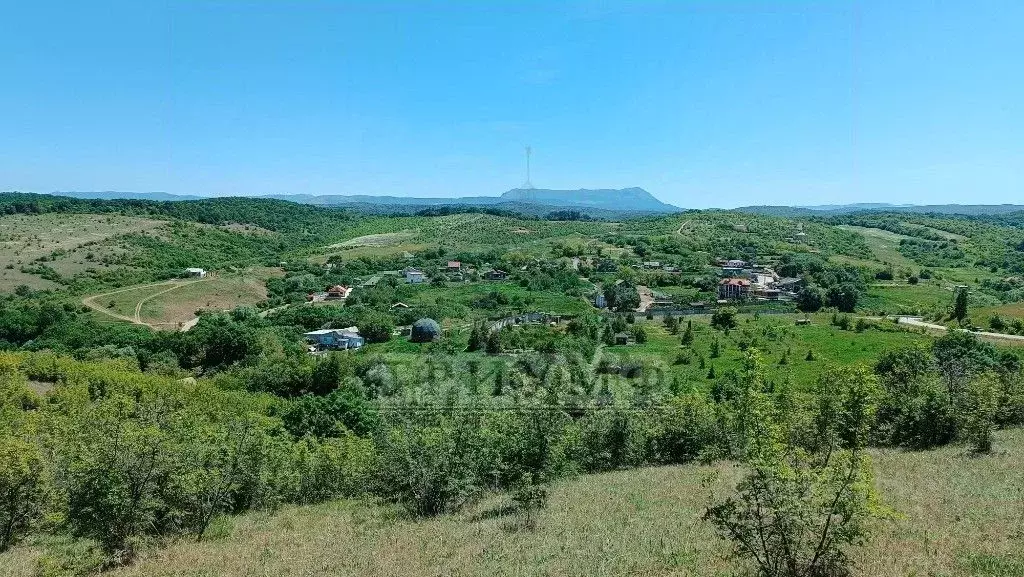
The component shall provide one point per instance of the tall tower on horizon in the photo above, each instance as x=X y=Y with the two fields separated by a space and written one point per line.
x=528 y=185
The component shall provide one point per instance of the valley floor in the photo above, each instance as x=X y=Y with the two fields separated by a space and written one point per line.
x=954 y=515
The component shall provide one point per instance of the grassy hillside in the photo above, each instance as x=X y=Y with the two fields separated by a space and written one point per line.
x=954 y=515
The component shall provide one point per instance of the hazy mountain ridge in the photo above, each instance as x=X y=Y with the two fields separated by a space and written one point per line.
x=830 y=210
x=114 y=195
x=602 y=203
x=635 y=198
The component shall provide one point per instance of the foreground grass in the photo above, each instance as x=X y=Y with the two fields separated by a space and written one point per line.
x=955 y=515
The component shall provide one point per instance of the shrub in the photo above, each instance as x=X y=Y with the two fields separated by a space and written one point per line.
x=22 y=489
x=796 y=514
x=810 y=299
x=724 y=318
x=977 y=412
x=429 y=469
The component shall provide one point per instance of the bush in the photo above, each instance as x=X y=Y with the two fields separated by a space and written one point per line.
x=843 y=297
x=810 y=299
x=797 y=512
x=22 y=489
x=377 y=328
x=796 y=515
x=724 y=318
x=429 y=469
x=977 y=412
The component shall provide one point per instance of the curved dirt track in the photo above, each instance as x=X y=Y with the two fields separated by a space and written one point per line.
x=90 y=302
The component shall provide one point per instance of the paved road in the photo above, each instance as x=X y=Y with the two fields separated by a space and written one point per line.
x=919 y=322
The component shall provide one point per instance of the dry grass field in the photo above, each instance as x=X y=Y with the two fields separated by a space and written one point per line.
x=955 y=515
x=69 y=243
x=172 y=304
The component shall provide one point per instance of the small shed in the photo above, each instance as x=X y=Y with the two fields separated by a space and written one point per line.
x=195 y=272
x=621 y=339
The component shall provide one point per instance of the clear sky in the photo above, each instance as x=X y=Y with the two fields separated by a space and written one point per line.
x=711 y=103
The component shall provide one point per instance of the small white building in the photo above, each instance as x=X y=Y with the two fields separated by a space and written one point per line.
x=195 y=272
x=413 y=276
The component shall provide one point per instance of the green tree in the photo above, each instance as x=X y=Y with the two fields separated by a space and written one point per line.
x=377 y=328
x=977 y=411
x=810 y=299
x=716 y=349
x=326 y=374
x=671 y=324
x=430 y=468
x=217 y=463
x=23 y=489
x=494 y=342
x=797 y=512
x=724 y=318
x=117 y=458
x=477 y=338
x=844 y=297
x=960 y=305
x=687 y=338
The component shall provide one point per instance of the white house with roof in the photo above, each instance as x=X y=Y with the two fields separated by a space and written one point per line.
x=413 y=275
x=195 y=272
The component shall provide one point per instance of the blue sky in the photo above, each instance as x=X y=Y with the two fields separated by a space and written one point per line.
x=711 y=103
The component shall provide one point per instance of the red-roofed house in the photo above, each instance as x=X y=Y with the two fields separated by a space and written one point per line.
x=733 y=289
x=338 y=292
x=454 y=266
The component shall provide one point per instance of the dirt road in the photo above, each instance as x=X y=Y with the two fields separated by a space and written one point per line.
x=919 y=322
x=646 y=298
x=137 y=319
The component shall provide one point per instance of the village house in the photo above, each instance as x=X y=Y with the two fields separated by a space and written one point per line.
x=789 y=284
x=414 y=276
x=496 y=274
x=338 y=292
x=454 y=266
x=336 y=339
x=732 y=289
x=195 y=272
x=768 y=294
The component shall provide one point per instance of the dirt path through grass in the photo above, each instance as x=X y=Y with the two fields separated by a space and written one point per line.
x=90 y=301
x=919 y=322
x=138 y=306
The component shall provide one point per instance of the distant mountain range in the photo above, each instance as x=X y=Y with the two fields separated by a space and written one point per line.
x=594 y=202
x=113 y=194
x=834 y=209
x=598 y=203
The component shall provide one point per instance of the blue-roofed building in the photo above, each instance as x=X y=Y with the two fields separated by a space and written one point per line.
x=341 y=339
